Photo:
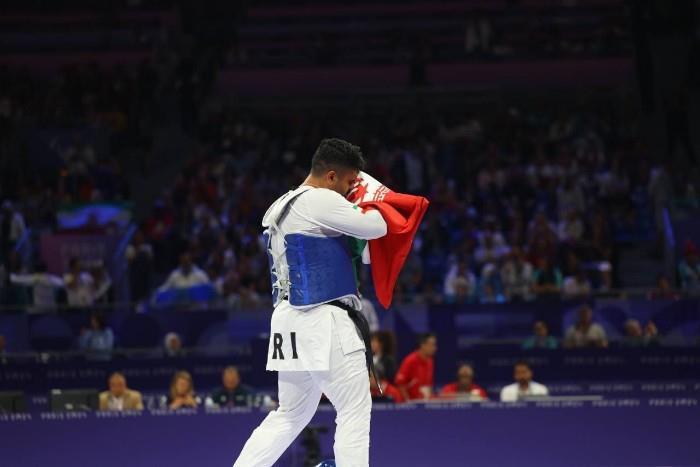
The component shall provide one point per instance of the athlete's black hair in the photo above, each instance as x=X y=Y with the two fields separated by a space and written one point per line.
x=336 y=154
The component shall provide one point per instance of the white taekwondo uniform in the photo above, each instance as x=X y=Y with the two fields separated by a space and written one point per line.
x=315 y=346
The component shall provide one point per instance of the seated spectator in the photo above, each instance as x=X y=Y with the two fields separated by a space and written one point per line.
x=43 y=286
x=540 y=338
x=524 y=386
x=570 y=196
x=383 y=355
x=185 y=276
x=460 y=284
x=182 y=394
x=415 y=376
x=490 y=287
x=490 y=231
x=570 y=228
x=489 y=251
x=547 y=280
x=98 y=340
x=635 y=336
x=542 y=237
x=119 y=396
x=389 y=392
x=689 y=270
x=464 y=291
x=516 y=275
x=576 y=286
x=585 y=333
x=172 y=345
x=663 y=290
x=78 y=284
x=232 y=392
x=464 y=387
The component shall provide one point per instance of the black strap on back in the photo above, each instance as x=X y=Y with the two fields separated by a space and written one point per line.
x=362 y=326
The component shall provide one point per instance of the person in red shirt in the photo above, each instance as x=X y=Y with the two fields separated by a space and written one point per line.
x=390 y=393
x=415 y=376
x=464 y=388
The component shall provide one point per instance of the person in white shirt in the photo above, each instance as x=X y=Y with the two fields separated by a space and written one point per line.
x=78 y=284
x=585 y=333
x=524 y=386
x=314 y=344
x=43 y=286
x=517 y=277
x=576 y=286
x=186 y=276
x=570 y=229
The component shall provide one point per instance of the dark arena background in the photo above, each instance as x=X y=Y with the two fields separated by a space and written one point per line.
x=557 y=141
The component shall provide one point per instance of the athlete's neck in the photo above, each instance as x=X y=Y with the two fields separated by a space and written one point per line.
x=313 y=182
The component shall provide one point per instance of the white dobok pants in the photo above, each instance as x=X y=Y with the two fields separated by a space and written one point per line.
x=346 y=385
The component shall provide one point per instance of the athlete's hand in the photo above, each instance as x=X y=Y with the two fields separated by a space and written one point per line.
x=367 y=188
x=357 y=190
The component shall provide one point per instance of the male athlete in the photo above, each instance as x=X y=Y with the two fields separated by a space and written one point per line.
x=314 y=343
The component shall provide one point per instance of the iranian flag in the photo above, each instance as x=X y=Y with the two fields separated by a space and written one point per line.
x=403 y=214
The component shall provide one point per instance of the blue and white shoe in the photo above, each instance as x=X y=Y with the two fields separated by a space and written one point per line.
x=327 y=463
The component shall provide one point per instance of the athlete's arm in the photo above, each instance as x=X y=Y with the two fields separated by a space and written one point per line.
x=331 y=210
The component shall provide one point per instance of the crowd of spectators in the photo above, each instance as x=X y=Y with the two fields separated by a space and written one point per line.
x=414 y=380
x=180 y=395
x=528 y=202
x=525 y=204
x=84 y=284
x=501 y=32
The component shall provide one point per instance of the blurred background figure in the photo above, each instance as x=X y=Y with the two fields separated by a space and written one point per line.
x=636 y=336
x=139 y=255
x=44 y=286
x=585 y=332
x=185 y=276
x=182 y=395
x=663 y=290
x=524 y=386
x=689 y=269
x=79 y=285
x=3 y=349
x=12 y=227
x=517 y=277
x=576 y=286
x=540 y=338
x=101 y=284
x=119 y=396
x=383 y=355
x=97 y=341
x=172 y=345
x=547 y=280
x=232 y=393
x=415 y=376
x=464 y=387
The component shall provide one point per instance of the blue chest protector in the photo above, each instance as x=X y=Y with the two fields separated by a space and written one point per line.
x=320 y=269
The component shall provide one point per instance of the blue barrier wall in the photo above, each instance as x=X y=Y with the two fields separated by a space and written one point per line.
x=626 y=432
x=493 y=367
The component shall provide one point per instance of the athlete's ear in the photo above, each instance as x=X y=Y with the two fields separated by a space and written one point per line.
x=332 y=176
